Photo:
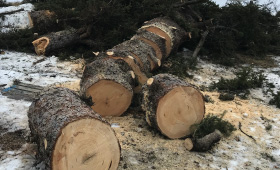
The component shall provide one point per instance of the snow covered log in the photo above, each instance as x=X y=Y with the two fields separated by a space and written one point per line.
x=55 y=40
x=69 y=134
x=172 y=105
x=108 y=85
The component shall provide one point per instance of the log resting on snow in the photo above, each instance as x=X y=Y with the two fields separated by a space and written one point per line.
x=55 y=40
x=172 y=105
x=69 y=134
x=108 y=83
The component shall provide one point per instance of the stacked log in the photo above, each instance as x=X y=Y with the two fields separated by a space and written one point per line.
x=69 y=134
x=172 y=106
x=143 y=53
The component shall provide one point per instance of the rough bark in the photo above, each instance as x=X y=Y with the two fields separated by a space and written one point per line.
x=109 y=70
x=142 y=54
x=171 y=103
x=55 y=111
x=174 y=32
x=55 y=40
x=154 y=40
x=205 y=143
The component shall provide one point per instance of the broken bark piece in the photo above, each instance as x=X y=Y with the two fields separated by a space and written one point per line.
x=55 y=40
x=205 y=143
x=168 y=29
x=172 y=105
x=69 y=134
x=108 y=84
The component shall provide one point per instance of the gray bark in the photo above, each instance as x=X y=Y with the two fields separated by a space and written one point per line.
x=50 y=113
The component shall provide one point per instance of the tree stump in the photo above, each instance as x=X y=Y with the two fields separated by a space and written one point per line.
x=172 y=105
x=108 y=84
x=69 y=134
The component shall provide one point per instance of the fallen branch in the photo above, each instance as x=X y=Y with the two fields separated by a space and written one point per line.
x=200 y=44
x=246 y=133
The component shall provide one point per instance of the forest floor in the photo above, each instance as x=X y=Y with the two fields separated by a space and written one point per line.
x=142 y=146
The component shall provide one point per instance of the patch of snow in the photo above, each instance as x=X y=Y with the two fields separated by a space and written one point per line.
x=18 y=20
x=10 y=163
x=20 y=66
x=13 y=113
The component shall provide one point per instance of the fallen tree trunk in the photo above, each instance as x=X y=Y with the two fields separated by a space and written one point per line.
x=55 y=40
x=69 y=134
x=108 y=84
x=172 y=106
x=143 y=53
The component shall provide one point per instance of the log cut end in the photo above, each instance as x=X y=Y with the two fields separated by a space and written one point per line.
x=109 y=98
x=40 y=45
x=179 y=110
x=86 y=144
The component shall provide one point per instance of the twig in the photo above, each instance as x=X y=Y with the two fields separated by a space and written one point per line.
x=246 y=133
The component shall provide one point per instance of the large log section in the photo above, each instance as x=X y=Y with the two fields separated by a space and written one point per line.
x=69 y=134
x=172 y=105
x=143 y=53
x=108 y=85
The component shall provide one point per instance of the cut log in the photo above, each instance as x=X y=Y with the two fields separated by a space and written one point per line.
x=168 y=29
x=55 y=40
x=154 y=40
x=172 y=105
x=110 y=88
x=108 y=84
x=43 y=20
x=69 y=134
x=203 y=144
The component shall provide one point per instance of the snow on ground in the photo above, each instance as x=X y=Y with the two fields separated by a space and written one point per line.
x=235 y=152
x=17 y=20
x=13 y=113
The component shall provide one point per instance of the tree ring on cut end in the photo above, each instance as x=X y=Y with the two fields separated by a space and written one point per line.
x=109 y=98
x=178 y=110
x=86 y=144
